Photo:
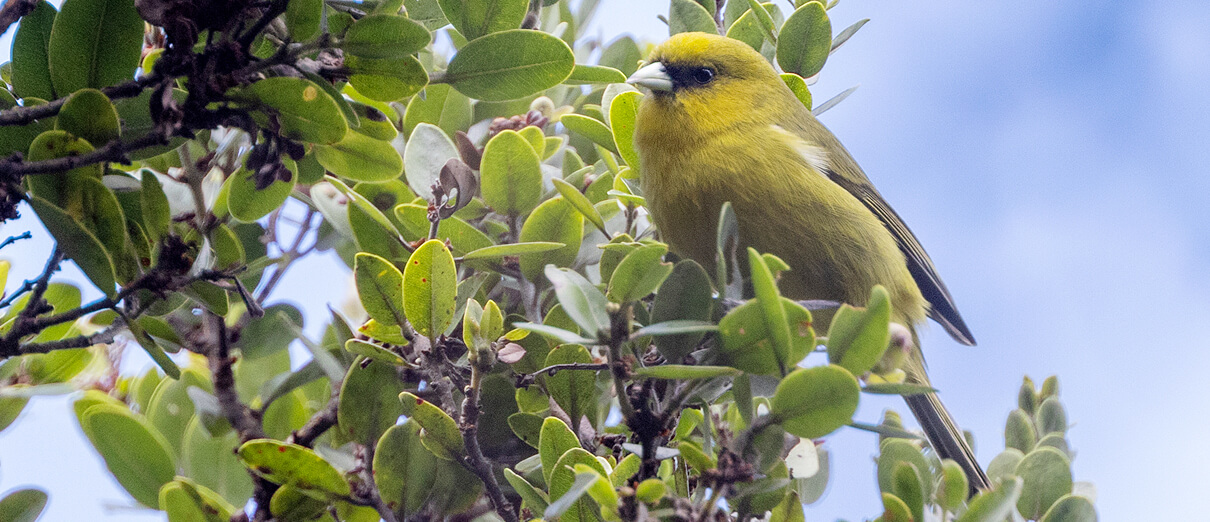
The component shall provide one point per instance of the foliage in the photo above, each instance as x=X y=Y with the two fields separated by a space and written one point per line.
x=551 y=358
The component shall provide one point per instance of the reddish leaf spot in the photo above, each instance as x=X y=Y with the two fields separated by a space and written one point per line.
x=424 y=280
x=281 y=449
x=419 y=401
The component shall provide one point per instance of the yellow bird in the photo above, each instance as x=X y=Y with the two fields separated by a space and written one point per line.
x=720 y=125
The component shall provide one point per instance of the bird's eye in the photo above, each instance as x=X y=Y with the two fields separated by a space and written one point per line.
x=703 y=76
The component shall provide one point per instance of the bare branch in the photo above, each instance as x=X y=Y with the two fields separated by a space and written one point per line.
x=474 y=460
x=13 y=10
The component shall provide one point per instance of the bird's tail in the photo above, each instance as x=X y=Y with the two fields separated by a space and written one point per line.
x=946 y=438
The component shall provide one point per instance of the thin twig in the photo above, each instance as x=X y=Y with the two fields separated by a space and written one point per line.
x=474 y=459
x=526 y=379
x=114 y=151
x=238 y=414
x=321 y=422
x=24 y=115
x=288 y=257
x=13 y=239
x=13 y=10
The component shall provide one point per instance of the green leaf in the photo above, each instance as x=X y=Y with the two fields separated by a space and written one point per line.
x=581 y=203
x=361 y=158
x=1068 y=508
x=558 y=334
x=31 y=69
x=305 y=111
x=474 y=19
x=94 y=43
x=845 y=34
x=441 y=106
x=404 y=470
x=858 y=337
x=61 y=189
x=509 y=65
x=528 y=426
x=88 y=114
x=556 y=221
x=428 y=149
x=182 y=499
x=993 y=505
x=639 y=274
x=137 y=455
x=78 y=244
x=906 y=484
x=674 y=327
x=441 y=434
x=1005 y=464
x=373 y=351
x=211 y=462
x=247 y=204
x=895 y=451
x=580 y=299
x=1046 y=473
x=430 y=283
x=555 y=440
x=23 y=505
x=387 y=79
x=805 y=40
x=369 y=401
x=689 y=16
x=295 y=466
x=511 y=174
x=594 y=74
x=685 y=295
x=102 y=215
x=270 y=333
x=303 y=19
x=747 y=29
x=567 y=488
x=953 y=488
x=798 y=86
x=623 y=111
x=776 y=323
x=512 y=249
x=380 y=287
x=380 y=36
x=764 y=19
x=157 y=216
x=622 y=54
x=813 y=402
x=533 y=498
x=895 y=509
x=1051 y=417
x=1019 y=431
x=685 y=371
x=746 y=343
x=590 y=128
x=573 y=390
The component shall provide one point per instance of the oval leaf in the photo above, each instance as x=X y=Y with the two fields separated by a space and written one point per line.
x=509 y=65
x=94 y=43
x=805 y=40
x=430 y=283
x=813 y=402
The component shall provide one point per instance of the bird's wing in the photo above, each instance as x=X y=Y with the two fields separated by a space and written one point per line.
x=942 y=308
x=840 y=167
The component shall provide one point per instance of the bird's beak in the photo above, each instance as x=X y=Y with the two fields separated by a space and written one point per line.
x=652 y=76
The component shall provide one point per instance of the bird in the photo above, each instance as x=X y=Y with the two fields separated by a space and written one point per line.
x=720 y=125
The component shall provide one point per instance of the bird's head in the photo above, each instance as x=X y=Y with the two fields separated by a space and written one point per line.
x=708 y=81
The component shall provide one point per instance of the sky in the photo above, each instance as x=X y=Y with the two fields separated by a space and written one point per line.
x=1053 y=159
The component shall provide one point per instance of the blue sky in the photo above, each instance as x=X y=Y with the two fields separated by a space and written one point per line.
x=1053 y=159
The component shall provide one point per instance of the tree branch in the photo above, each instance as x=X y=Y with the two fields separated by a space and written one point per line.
x=13 y=10
x=321 y=422
x=114 y=151
x=474 y=460
x=526 y=379
x=24 y=115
